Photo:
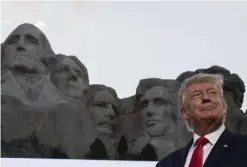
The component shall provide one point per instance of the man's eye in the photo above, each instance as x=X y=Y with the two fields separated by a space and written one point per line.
x=62 y=69
x=78 y=73
x=195 y=95
x=143 y=104
x=161 y=101
x=212 y=92
x=31 y=39
x=13 y=41
x=101 y=104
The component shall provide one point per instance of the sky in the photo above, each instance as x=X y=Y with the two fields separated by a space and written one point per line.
x=123 y=42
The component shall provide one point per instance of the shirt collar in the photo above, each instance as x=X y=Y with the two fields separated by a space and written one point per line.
x=212 y=137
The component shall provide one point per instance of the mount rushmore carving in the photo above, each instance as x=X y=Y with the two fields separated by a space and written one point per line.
x=50 y=109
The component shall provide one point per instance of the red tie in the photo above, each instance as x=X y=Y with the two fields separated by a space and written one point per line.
x=197 y=157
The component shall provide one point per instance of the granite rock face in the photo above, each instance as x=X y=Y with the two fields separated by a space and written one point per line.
x=50 y=109
x=155 y=128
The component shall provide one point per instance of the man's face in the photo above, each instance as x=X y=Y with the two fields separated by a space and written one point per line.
x=156 y=109
x=68 y=77
x=104 y=109
x=203 y=103
x=24 y=49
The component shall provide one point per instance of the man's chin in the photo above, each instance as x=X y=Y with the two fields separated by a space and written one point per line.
x=155 y=130
x=211 y=119
x=105 y=131
x=21 y=67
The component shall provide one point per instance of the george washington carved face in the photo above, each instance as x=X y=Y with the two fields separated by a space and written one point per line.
x=25 y=48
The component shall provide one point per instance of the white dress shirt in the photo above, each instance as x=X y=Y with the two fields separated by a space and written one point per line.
x=212 y=137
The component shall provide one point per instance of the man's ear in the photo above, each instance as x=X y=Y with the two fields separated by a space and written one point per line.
x=184 y=114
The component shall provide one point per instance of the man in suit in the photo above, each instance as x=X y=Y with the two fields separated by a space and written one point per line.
x=204 y=110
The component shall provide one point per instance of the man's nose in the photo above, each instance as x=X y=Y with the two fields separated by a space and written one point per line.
x=73 y=75
x=150 y=111
x=20 y=46
x=109 y=113
x=205 y=98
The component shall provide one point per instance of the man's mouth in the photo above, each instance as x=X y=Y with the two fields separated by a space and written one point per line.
x=24 y=64
x=72 y=84
x=151 y=122
x=207 y=108
x=108 y=126
x=24 y=68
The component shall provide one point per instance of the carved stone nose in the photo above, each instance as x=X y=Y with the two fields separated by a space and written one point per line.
x=20 y=48
x=149 y=114
x=111 y=117
x=73 y=76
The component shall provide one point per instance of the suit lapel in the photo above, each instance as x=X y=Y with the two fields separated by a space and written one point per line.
x=220 y=149
x=180 y=159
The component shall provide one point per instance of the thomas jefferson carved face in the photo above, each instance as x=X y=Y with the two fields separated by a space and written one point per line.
x=156 y=109
x=69 y=78
x=24 y=49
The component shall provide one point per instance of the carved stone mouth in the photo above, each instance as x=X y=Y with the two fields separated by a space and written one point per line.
x=109 y=126
x=23 y=68
x=151 y=122
x=72 y=84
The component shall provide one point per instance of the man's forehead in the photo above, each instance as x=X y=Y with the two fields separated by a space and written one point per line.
x=104 y=96
x=201 y=86
x=68 y=62
x=27 y=29
x=156 y=92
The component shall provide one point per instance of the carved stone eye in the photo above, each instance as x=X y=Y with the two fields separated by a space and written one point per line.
x=101 y=104
x=13 y=40
x=62 y=69
x=31 y=39
x=143 y=104
x=161 y=101
x=78 y=73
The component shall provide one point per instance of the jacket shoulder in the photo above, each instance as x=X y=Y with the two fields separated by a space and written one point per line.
x=242 y=137
x=241 y=140
x=241 y=149
x=168 y=160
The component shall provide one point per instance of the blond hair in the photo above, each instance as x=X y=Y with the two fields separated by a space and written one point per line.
x=215 y=79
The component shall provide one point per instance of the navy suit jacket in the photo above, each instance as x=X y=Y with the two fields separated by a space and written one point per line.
x=229 y=151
